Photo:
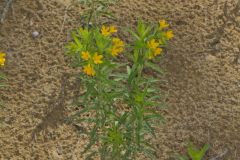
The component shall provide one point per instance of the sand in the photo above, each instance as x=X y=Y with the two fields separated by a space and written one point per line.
x=202 y=83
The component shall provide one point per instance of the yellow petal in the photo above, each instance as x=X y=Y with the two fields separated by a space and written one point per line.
x=97 y=59
x=112 y=29
x=153 y=44
x=117 y=42
x=116 y=50
x=2 y=54
x=85 y=55
x=163 y=24
x=2 y=59
x=169 y=34
x=105 y=31
x=88 y=69
x=157 y=51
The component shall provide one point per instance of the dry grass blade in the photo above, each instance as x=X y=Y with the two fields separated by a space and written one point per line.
x=5 y=10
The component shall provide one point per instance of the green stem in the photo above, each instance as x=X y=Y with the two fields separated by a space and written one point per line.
x=91 y=13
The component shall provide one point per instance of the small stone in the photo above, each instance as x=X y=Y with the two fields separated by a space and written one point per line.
x=59 y=150
x=8 y=120
x=236 y=50
x=210 y=58
x=35 y=34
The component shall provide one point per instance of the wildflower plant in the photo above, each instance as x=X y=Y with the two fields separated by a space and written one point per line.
x=109 y=84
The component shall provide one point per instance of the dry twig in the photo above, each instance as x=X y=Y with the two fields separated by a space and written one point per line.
x=221 y=155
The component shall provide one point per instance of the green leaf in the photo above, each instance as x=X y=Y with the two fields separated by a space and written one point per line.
x=196 y=154
x=146 y=32
x=141 y=28
x=204 y=150
x=2 y=76
x=108 y=15
x=128 y=70
x=3 y=85
x=180 y=157
x=150 y=128
x=123 y=118
x=93 y=138
x=134 y=35
x=149 y=150
x=85 y=34
x=139 y=44
x=152 y=116
x=154 y=67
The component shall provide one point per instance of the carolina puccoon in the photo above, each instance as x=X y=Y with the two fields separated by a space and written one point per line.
x=92 y=60
x=106 y=31
x=118 y=46
x=155 y=50
x=89 y=70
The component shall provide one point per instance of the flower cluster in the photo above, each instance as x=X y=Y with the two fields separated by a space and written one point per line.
x=2 y=59
x=117 y=46
x=155 y=50
x=168 y=34
x=106 y=31
x=154 y=45
x=92 y=60
x=93 y=45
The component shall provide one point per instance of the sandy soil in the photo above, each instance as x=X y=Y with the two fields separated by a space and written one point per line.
x=202 y=81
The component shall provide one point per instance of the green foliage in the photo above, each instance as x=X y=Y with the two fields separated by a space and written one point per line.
x=109 y=86
x=194 y=153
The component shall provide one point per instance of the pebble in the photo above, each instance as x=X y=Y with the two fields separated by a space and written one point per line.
x=210 y=58
x=35 y=34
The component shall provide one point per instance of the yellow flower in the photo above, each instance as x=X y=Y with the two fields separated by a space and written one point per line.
x=152 y=44
x=163 y=24
x=116 y=51
x=118 y=46
x=154 y=49
x=169 y=34
x=97 y=59
x=106 y=31
x=157 y=51
x=112 y=29
x=2 y=59
x=117 y=42
x=89 y=70
x=85 y=55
